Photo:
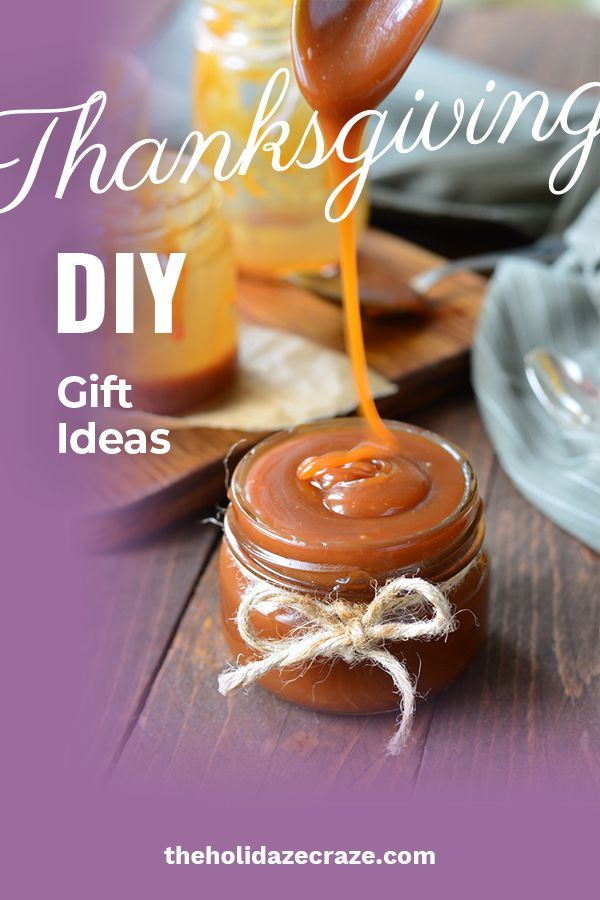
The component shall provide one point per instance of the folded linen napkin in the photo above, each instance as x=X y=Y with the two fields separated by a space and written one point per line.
x=530 y=305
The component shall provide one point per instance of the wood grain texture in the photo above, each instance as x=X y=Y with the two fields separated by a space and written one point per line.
x=528 y=709
x=426 y=356
x=144 y=593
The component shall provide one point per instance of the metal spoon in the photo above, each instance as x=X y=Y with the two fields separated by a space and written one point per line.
x=547 y=249
x=383 y=294
x=563 y=388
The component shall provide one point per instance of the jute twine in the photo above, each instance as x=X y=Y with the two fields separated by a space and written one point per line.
x=404 y=609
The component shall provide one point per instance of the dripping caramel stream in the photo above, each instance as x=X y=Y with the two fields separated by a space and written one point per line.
x=383 y=441
x=347 y=60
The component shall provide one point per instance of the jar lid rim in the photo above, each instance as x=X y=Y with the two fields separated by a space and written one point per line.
x=238 y=498
x=194 y=200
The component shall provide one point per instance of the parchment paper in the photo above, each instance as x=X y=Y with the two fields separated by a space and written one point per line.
x=283 y=380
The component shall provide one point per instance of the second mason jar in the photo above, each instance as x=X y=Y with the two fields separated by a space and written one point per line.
x=194 y=364
x=277 y=218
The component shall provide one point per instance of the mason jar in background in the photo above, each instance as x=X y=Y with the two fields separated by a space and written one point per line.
x=277 y=218
x=193 y=366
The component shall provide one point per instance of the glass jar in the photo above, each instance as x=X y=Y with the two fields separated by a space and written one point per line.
x=330 y=565
x=278 y=218
x=175 y=373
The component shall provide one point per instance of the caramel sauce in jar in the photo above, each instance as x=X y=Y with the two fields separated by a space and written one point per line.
x=346 y=530
x=337 y=509
x=196 y=363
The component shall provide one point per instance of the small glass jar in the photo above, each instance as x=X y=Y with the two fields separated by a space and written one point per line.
x=278 y=218
x=178 y=372
x=329 y=566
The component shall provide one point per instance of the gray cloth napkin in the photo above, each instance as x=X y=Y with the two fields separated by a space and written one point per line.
x=530 y=305
x=504 y=184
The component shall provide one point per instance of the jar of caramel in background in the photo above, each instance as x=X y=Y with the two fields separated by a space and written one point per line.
x=277 y=218
x=193 y=366
x=342 y=539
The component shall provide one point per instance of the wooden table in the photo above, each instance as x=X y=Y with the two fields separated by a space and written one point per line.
x=535 y=678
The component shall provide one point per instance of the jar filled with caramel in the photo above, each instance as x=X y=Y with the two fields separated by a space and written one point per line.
x=176 y=372
x=278 y=218
x=343 y=534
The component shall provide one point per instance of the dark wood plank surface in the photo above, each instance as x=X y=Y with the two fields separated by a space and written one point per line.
x=528 y=708
x=536 y=677
x=145 y=590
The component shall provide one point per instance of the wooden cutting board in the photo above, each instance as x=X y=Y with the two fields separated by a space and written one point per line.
x=426 y=356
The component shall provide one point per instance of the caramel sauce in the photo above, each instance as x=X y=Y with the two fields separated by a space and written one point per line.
x=179 y=395
x=348 y=55
x=353 y=505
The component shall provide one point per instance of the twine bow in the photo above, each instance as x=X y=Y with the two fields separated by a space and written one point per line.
x=352 y=632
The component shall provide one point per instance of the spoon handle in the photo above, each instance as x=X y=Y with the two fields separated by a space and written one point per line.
x=547 y=249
